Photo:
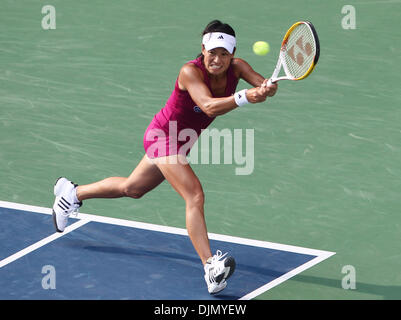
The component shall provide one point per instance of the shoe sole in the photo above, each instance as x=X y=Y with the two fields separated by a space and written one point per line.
x=55 y=222
x=228 y=263
x=54 y=214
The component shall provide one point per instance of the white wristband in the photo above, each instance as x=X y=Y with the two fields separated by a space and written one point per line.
x=240 y=98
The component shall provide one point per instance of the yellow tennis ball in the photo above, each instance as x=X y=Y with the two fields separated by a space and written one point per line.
x=261 y=48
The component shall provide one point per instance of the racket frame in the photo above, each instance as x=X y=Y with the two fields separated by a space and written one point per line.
x=281 y=60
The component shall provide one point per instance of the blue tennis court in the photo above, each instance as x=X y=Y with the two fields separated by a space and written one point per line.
x=106 y=258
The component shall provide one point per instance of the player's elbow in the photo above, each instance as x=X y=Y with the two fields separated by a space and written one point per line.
x=209 y=110
x=211 y=114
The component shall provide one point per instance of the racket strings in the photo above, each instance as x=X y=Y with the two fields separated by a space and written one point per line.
x=300 y=51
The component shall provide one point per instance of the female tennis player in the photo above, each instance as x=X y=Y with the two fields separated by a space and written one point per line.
x=205 y=88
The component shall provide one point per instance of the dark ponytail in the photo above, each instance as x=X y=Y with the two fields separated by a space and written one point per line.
x=217 y=26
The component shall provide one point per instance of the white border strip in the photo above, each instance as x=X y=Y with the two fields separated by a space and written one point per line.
x=85 y=218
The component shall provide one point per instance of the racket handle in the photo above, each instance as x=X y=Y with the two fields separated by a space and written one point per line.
x=268 y=83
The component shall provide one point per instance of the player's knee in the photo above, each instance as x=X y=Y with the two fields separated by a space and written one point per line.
x=131 y=192
x=137 y=195
x=197 y=198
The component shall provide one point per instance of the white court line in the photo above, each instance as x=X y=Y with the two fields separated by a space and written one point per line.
x=174 y=230
x=286 y=276
x=41 y=243
x=25 y=207
x=85 y=218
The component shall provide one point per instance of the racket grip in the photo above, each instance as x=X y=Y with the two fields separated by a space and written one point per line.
x=268 y=83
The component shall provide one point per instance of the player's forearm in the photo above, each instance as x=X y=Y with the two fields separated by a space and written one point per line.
x=214 y=107
x=218 y=106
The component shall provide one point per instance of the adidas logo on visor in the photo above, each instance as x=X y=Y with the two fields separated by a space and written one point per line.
x=216 y=39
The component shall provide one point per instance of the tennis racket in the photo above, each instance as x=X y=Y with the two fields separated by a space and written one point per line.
x=299 y=53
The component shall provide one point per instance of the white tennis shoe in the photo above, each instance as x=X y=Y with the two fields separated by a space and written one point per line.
x=217 y=270
x=66 y=202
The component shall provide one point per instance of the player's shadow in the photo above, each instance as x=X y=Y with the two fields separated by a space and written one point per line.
x=154 y=253
x=132 y=251
x=143 y=252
